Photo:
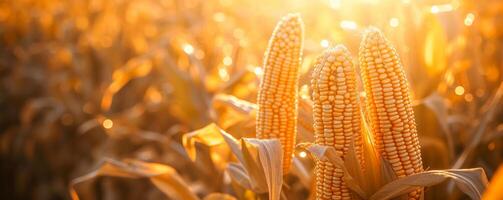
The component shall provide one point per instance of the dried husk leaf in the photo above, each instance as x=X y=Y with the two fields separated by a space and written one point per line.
x=234 y=115
x=249 y=173
x=209 y=135
x=255 y=158
x=234 y=146
x=134 y=68
x=247 y=110
x=163 y=177
x=242 y=106
x=270 y=157
x=253 y=168
x=239 y=175
x=471 y=181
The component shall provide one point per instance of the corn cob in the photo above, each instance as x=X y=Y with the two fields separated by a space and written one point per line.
x=336 y=114
x=389 y=107
x=277 y=96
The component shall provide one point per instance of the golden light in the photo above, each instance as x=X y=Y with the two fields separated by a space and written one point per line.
x=460 y=90
x=108 y=123
x=363 y=95
x=163 y=68
x=441 y=8
x=153 y=95
x=348 y=25
x=434 y=9
x=219 y=17
x=372 y=2
x=468 y=97
x=394 y=22
x=227 y=60
x=470 y=17
x=434 y=48
x=324 y=43
x=449 y=78
x=335 y=4
x=188 y=49
x=304 y=92
x=258 y=71
x=224 y=75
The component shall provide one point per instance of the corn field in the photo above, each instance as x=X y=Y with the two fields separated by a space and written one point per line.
x=251 y=99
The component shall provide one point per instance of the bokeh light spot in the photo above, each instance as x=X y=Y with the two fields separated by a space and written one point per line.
x=108 y=123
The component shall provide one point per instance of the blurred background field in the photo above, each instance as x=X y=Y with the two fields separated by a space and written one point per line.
x=85 y=80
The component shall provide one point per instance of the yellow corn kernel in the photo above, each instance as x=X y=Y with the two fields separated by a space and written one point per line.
x=389 y=106
x=277 y=96
x=336 y=114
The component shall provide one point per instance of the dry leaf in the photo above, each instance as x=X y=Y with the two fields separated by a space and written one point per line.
x=253 y=168
x=471 y=181
x=209 y=135
x=235 y=115
x=270 y=157
x=235 y=103
x=134 y=68
x=217 y=141
x=163 y=177
x=239 y=175
x=258 y=158
x=248 y=110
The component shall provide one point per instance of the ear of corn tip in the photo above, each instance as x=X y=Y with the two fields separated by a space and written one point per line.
x=389 y=105
x=337 y=117
x=277 y=96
